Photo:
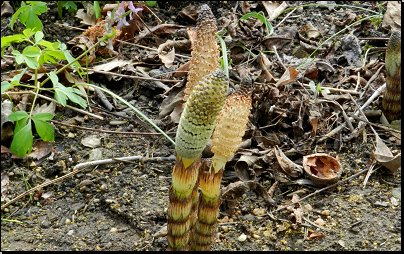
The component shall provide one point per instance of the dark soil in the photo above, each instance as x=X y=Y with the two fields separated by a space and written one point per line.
x=122 y=206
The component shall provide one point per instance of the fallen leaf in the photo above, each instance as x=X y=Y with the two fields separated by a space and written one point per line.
x=86 y=18
x=322 y=168
x=287 y=77
x=288 y=167
x=274 y=9
x=315 y=236
x=40 y=150
x=166 y=58
x=392 y=17
x=383 y=155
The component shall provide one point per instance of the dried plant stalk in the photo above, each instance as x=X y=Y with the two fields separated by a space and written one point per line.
x=205 y=53
x=391 y=103
x=194 y=130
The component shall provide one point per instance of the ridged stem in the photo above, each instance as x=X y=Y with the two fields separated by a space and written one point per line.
x=208 y=207
x=181 y=195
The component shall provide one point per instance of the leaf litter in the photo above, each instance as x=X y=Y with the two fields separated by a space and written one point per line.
x=284 y=114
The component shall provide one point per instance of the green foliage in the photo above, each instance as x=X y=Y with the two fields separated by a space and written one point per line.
x=97 y=9
x=28 y=15
x=23 y=138
x=151 y=3
x=70 y=6
x=225 y=64
x=261 y=16
x=318 y=89
x=39 y=52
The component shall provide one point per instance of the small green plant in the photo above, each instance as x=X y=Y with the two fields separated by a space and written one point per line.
x=261 y=16
x=318 y=89
x=28 y=15
x=39 y=52
x=34 y=56
x=223 y=61
x=70 y=6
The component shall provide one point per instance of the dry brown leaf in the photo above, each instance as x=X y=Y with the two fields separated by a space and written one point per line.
x=245 y=7
x=288 y=167
x=40 y=150
x=182 y=70
x=87 y=18
x=322 y=168
x=265 y=65
x=6 y=9
x=311 y=31
x=190 y=12
x=243 y=167
x=287 y=77
x=384 y=156
x=166 y=58
x=274 y=9
x=392 y=17
x=315 y=236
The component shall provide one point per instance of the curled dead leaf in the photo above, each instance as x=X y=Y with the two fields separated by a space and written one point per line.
x=322 y=168
x=287 y=77
x=384 y=156
x=287 y=166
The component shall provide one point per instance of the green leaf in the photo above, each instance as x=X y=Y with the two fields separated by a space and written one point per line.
x=151 y=3
x=29 y=16
x=17 y=116
x=43 y=116
x=45 y=130
x=31 y=62
x=28 y=33
x=38 y=36
x=23 y=139
x=55 y=53
x=261 y=16
x=16 y=14
x=5 y=85
x=69 y=5
x=97 y=9
x=70 y=58
x=63 y=93
x=7 y=40
x=31 y=51
x=49 y=45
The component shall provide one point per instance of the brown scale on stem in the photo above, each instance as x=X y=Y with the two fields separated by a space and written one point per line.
x=391 y=104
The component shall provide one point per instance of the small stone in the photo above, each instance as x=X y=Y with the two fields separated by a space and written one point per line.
x=70 y=135
x=396 y=192
x=70 y=232
x=113 y=230
x=242 y=238
x=255 y=236
x=259 y=211
x=342 y=243
x=325 y=212
x=225 y=229
x=266 y=233
x=320 y=222
x=308 y=207
x=163 y=189
x=393 y=201
x=378 y=203
x=225 y=219
x=68 y=221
